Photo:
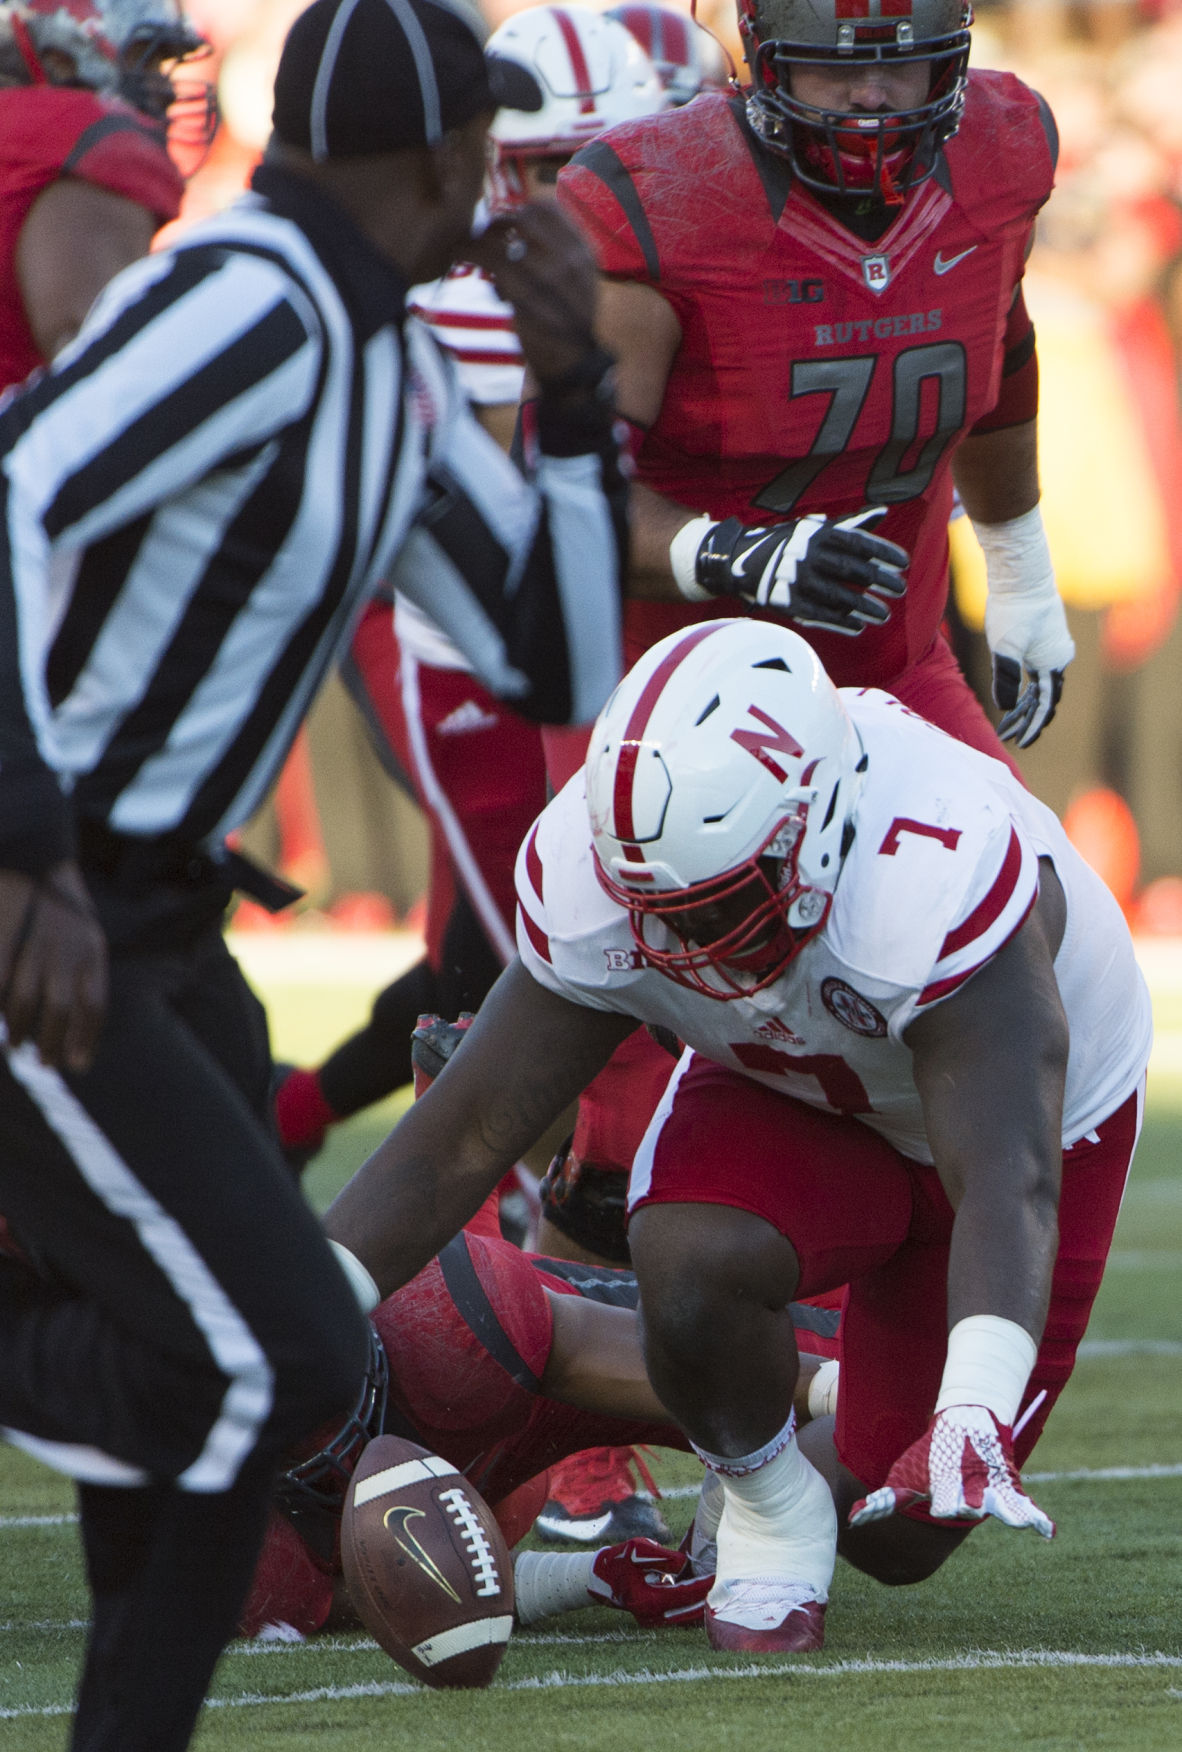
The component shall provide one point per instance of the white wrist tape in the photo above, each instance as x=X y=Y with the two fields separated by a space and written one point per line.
x=989 y=1363
x=822 y=1396
x=360 y=1282
x=1017 y=558
x=683 y=557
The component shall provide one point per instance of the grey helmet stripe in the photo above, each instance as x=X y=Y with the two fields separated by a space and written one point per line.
x=424 y=67
x=318 y=125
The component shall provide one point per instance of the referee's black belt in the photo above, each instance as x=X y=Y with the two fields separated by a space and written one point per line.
x=140 y=861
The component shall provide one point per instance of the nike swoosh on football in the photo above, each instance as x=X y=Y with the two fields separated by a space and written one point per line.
x=941 y=266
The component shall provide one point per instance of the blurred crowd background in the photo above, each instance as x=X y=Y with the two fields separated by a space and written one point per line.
x=1105 y=288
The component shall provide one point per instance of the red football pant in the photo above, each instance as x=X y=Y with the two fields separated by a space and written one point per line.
x=477 y=770
x=858 y=1213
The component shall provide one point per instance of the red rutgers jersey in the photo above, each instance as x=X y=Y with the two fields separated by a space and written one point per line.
x=48 y=131
x=817 y=371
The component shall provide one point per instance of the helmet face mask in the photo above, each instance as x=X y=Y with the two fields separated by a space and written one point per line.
x=732 y=932
x=721 y=777
x=155 y=39
x=311 y=1493
x=850 y=151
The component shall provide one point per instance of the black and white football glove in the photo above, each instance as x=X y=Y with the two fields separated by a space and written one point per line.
x=815 y=572
x=1025 y=625
x=1027 y=634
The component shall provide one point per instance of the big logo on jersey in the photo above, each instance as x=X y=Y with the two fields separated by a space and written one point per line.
x=852 y=1010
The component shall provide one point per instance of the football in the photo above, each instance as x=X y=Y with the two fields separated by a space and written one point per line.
x=426 y=1565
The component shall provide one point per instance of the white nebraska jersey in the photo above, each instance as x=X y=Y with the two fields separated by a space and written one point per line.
x=942 y=871
x=467 y=316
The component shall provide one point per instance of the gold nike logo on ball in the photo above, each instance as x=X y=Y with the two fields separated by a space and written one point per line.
x=395 y=1522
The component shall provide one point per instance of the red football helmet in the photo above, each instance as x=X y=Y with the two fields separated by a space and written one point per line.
x=685 y=55
x=845 y=151
x=721 y=777
x=123 y=48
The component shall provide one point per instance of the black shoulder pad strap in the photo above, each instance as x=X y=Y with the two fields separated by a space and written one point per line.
x=600 y=158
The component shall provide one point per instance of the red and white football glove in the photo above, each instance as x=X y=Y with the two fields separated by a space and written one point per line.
x=658 y=1587
x=964 y=1467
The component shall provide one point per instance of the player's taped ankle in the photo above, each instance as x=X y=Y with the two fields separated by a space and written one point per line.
x=778 y=1519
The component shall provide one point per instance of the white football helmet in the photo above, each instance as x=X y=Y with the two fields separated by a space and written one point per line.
x=687 y=58
x=721 y=778
x=586 y=73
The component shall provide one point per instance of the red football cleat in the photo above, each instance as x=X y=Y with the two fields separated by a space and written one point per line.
x=765 y=1615
x=595 y=1499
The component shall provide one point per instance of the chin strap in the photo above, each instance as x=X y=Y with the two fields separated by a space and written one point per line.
x=28 y=52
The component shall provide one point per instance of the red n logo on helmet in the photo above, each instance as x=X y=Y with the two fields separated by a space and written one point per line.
x=760 y=743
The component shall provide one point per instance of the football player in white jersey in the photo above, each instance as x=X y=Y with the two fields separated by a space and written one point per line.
x=915 y=1043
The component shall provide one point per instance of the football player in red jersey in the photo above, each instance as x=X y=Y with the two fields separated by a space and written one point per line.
x=550 y=1358
x=813 y=287
x=85 y=175
x=550 y=1361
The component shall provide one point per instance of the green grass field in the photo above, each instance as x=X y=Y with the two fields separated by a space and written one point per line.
x=1050 y=1648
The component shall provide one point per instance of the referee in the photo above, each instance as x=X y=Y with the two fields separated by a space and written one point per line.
x=197 y=500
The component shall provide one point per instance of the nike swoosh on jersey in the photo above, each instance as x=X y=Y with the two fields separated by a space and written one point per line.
x=942 y=267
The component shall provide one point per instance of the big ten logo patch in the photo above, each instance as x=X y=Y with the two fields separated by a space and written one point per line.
x=793 y=291
x=623 y=960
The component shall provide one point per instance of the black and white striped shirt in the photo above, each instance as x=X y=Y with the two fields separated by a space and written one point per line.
x=197 y=500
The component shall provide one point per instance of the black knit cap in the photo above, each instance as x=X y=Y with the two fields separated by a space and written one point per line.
x=364 y=76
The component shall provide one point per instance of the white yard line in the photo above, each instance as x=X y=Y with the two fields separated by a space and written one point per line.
x=984 y=1660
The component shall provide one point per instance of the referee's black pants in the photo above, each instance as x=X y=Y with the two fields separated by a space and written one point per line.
x=184 y=1321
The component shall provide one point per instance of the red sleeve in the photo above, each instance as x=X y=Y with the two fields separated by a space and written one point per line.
x=603 y=196
x=1017 y=397
x=51 y=131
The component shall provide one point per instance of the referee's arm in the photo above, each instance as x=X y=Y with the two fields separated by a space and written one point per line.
x=525 y=575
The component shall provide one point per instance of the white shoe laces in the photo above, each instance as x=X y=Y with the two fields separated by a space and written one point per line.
x=760 y=1602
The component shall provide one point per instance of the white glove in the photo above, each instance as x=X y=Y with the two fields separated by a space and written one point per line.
x=963 y=1465
x=1025 y=625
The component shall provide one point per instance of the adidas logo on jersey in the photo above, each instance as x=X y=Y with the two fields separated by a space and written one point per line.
x=777 y=1030
x=466 y=718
